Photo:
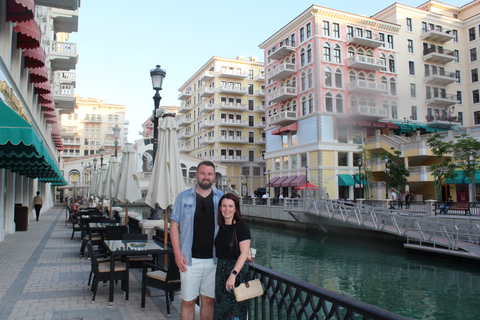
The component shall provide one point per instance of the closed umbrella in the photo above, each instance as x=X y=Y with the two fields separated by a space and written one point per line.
x=166 y=181
x=100 y=178
x=127 y=189
x=93 y=183
x=109 y=183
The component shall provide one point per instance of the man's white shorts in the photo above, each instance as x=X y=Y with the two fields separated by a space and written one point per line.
x=198 y=279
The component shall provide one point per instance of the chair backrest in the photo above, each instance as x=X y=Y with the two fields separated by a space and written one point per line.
x=135 y=236
x=107 y=220
x=160 y=235
x=93 y=257
x=115 y=232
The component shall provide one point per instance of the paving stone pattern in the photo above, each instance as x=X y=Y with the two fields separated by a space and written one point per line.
x=42 y=276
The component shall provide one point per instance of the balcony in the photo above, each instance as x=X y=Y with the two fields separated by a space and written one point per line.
x=282 y=118
x=185 y=148
x=260 y=77
x=260 y=108
x=65 y=20
x=233 y=159
x=440 y=77
x=233 y=123
x=185 y=108
x=64 y=4
x=207 y=75
x=207 y=141
x=65 y=77
x=63 y=55
x=63 y=94
x=365 y=42
x=443 y=121
x=231 y=73
x=282 y=71
x=367 y=87
x=232 y=90
x=206 y=108
x=437 y=36
x=260 y=141
x=260 y=160
x=228 y=139
x=365 y=63
x=281 y=52
x=72 y=143
x=282 y=94
x=207 y=92
x=371 y=112
x=183 y=121
x=441 y=100
x=260 y=93
x=93 y=119
x=260 y=124
x=232 y=106
x=184 y=135
x=185 y=95
x=207 y=124
x=438 y=55
x=69 y=131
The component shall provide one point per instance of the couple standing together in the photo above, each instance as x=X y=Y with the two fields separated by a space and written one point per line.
x=203 y=225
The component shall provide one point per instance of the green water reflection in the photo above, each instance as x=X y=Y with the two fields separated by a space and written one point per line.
x=373 y=271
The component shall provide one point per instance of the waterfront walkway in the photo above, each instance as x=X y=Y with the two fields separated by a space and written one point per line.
x=43 y=277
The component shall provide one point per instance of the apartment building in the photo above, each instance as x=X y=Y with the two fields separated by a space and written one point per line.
x=337 y=81
x=90 y=127
x=36 y=85
x=222 y=117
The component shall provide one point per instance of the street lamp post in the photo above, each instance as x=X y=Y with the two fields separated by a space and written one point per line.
x=360 y=164
x=387 y=170
x=268 y=183
x=95 y=160
x=450 y=112
x=102 y=152
x=116 y=134
x=157 y=74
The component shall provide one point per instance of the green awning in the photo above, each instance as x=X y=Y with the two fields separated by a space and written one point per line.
x=460 y=178
x=360 y=181
x=345 y=180
x=429 y=129
x=405 y=128
x=21 y=150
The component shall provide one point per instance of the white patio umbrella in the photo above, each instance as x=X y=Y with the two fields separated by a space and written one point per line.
x=93 y=183
x=127 y=189
x=100 y=179
x=166 y=181
x=110 y=180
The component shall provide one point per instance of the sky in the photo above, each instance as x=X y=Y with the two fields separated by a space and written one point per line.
x=120 y=41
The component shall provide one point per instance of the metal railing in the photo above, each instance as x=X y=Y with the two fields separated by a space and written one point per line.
x=286 y=297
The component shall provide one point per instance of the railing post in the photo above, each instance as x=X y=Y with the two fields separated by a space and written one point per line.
x=386 y=203
x=430 y=207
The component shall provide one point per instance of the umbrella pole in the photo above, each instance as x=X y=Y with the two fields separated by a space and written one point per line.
x=165 y=235
x=110 y=208
x=126 y=214
x=102 y=206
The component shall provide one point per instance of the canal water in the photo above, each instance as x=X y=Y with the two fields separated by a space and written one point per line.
x=374 y=271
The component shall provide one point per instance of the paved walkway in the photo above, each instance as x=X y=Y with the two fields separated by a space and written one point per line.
x=43 y=277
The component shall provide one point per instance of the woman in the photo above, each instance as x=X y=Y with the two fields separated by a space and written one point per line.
x=232 y=246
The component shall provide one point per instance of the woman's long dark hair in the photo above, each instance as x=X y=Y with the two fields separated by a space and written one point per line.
x=237 y=216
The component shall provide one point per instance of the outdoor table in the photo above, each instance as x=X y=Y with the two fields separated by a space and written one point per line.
x=130 y=248
x=100 y=226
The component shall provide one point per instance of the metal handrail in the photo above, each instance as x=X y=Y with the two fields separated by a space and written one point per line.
x=286 y=297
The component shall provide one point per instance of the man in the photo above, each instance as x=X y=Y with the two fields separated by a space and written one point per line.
x=408 y=197
x=448 y=204
x=37 y=204
x=193 y=228
x=394 y=199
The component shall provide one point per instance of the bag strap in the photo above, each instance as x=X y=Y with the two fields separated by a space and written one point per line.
x=234 y=239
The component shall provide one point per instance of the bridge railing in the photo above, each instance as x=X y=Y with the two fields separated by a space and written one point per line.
x=286 y=297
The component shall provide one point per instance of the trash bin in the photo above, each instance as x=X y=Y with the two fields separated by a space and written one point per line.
x=21 y=217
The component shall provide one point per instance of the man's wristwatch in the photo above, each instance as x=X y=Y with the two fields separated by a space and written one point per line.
x=234 y=272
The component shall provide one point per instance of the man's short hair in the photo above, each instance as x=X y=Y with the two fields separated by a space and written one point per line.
x=206 y=163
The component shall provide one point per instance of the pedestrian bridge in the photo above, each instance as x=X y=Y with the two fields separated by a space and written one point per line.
x=445 y=235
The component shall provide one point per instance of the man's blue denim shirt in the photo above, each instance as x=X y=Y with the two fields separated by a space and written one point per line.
x=184 y=212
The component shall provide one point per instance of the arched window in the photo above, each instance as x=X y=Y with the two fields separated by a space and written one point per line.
x=327 y=54
x=282 y=108
x=352 y=76
x=310 y=79
x=294 y=105
x=391 y=63
x=310 y=104
x=384 y=80
x=371 y=77
x=327 y=77
x=353 y=102
x=303 y=80
x=293 y=57
x=304 y=106
x=372 y=102
x=360 y=52
x=269 y=112
x=362 y=102
x=384 y=61
x=309 y=54
x=302 y=57
x=385 y=104
x=350 y=51
x=289 y=106
x=338 y=78
x=394 y=110
x=361 y=76
x=337 y=54
x=274 y=111
x=328 y=102
x=339 y=103
x=393 y=86
x=369 y=53
x=294 y=82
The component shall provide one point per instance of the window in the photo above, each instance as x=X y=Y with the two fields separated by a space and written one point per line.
x=349 y=32
x=456 y=55
x=336 y=30
x=476 y=96
x=337 y=58
x=411 y=68
x=339 y=103
x=309 y=30
x=342 y=159
x=394 y=111
x=414 y=113
x=310 y=79
x=474 y=75
x=457 y=75
x=251 y=105
x=471 y=34
x=409 y=24
x=390 y=41
x=459 y=97
x=455 y=34
x=302 y=57
x=381 y=37
x=338 y=78
x=476 y=117
x=473 y=54
x=304 y=106
x=393 y=87
x=309 y=54
x=292 y=40
x=327 y=80
x=410 y=45
x=250 y=88
x=326 y=53
x=329 y=102
x=302 y=34
x=303 y=81
x=413 y=90
x=310 y=104
x=424 y=27
x=326 y=28
x=250 y=74
x=391 y=64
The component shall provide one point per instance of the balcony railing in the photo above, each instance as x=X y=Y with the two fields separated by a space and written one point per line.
x=185 y=95
x=282 y=118
x=233 y=158
x=260 y=76
x=207 y=75
x=206 y=108
x=63 y=90
x=64 y=77
x=282 y=94
x=436 y=54
x=364 y=86
x=232 y=90
x=282 y=71
x=233 y=123
x=281 y=52
x=228 y=73
x=441 y=99
x=64 y=47
x=437 y=36
x=260 y=93
x=286 y=297
x=370 y=42
x=207 y=92
x=229 y=139
x=365 y=62
x=63 y=55
x=440 y=77
x=233 y=106
x=369 y=111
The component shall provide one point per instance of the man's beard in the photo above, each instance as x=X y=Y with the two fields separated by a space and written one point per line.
x=205 y=184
